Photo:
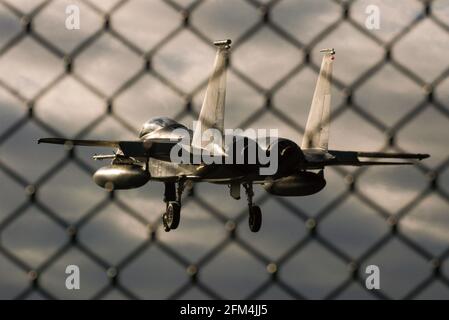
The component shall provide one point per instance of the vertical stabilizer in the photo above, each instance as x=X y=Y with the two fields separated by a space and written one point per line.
x=212 y=110
x=317 y=128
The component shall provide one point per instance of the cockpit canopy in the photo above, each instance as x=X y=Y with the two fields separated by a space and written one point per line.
x=158 y=123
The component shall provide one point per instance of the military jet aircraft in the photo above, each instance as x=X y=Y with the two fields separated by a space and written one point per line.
x=300 y=168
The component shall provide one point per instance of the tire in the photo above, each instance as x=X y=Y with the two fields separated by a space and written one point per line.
x=255 y=218
x=173 y=215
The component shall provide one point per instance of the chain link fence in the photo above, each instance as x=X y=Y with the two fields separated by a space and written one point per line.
x=195 y=271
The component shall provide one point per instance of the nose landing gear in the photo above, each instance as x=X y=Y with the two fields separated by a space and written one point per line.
x=172 y=198
x=255 y=214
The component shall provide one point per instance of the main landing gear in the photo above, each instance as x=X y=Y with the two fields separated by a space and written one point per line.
x=172 y=198
x=255 y=214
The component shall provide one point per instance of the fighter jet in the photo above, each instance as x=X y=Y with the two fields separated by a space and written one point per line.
x=299 y=170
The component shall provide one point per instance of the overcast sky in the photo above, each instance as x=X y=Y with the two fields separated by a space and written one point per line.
x=69 y=106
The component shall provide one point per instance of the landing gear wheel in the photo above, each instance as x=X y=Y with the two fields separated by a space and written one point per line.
x=255 y=218
x=172 y=197
x=173 y=215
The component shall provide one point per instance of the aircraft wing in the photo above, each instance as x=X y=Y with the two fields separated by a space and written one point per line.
x=158 y=148
x=86 y=143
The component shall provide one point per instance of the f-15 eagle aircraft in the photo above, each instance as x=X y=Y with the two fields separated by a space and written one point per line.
x=300 y=168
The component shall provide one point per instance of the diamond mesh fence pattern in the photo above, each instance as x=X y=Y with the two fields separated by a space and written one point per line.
x=135 y=59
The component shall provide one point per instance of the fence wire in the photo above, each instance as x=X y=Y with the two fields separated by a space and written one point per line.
x=312 y=223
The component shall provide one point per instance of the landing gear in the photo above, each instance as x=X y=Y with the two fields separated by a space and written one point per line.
x=255 y=218
x=255 y=214
x=172 y=216
x=172 y=198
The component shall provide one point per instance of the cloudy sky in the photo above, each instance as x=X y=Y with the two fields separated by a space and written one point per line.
x=74 y=105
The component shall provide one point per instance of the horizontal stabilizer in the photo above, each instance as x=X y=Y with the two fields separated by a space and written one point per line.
x=356 y=158
x=317 y=158
x=418 y=156
x=380 y=163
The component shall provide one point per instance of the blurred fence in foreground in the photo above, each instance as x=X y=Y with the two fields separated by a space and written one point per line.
x=184 y=12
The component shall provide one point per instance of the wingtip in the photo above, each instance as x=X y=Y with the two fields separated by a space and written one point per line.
x=43 y=140
x=423 y=156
